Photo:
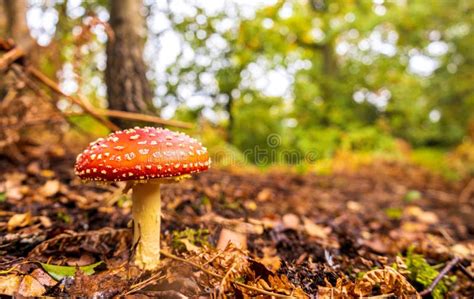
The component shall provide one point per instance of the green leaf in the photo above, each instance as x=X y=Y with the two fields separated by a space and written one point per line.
x=3 y=197
x=412 y=195
x=59 y=272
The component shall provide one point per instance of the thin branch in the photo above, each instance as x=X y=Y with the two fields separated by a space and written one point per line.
x=243 y=285
x=440 y=276
x=141 y=117
x=55 y=88
x=10 y=57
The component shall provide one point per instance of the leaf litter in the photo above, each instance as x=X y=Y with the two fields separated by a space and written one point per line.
x=385 y=230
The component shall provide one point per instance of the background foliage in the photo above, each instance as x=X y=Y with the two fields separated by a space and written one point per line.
x=323 y=75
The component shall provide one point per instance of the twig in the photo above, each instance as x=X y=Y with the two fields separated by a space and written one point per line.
x=141 y=117
x=441 y=274
x=10 y=57
x=466 y=192
x=55 y=88
x=41 y=94
x=243 y=285
x=140 y=285
x=466 y=272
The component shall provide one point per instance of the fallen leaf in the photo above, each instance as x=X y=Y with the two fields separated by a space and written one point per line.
x=59 y=272
x=291 y=221
x=229 y=236
x=19 y=220
x=9 y=284
x=315 y=230
x=43 y=277
x=45 y=221
x=422 y=216
x=388 y=280
x=30 y=287
x=50 y=188
x=265 y=194
x=270 y=259
x=47 y=173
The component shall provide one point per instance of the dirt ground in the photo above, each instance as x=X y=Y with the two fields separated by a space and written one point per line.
x=388 y=228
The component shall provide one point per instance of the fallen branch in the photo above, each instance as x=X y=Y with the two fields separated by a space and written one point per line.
x=141 y=117
x=99 y=114
x=55 y=88
x=440 y=276
x=240 y=284
x=10 y=57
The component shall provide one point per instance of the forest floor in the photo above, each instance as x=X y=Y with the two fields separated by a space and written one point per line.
x=388 y=228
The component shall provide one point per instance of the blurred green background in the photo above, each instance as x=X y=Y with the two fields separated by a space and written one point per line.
x=325 y=77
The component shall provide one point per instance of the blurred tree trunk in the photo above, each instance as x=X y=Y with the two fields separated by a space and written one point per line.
x=17 y=27
x=3 y=20
x=127 y=86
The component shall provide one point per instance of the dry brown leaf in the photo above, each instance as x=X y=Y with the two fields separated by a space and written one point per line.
x=45 y=221
x=389 y=281
x=19 y=220
x=42 y=277
x=464 y=250
x=229 y=236
x=422 y=216
x=315 y=230
x=343 y=289
x=9 y=284
x=265 y=194
x=30 y=287
x=50 y=188
x=270 y=259
x=291 y=221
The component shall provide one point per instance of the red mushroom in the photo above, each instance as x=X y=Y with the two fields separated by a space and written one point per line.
x=145 y=158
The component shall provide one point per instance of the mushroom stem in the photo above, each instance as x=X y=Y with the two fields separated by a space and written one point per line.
x=146 y=211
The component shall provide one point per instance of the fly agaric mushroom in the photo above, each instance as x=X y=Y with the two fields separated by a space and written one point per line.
x=145 y=158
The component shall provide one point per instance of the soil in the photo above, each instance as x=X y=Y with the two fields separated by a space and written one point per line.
x=304 y=234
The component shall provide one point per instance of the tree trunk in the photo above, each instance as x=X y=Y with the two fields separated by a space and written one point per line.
x=127 y=86
x=3 y=19
x=17 y=27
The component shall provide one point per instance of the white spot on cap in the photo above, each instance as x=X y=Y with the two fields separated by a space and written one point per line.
x=130 y=156
x=143 y=151
x=142 y=142
x=134 y=137
x=103 y=172
x=119 y=147
x=153 y=142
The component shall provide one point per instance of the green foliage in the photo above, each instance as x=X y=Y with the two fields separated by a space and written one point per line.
x=349 y=66
x=423 y=274
x=394 y=213
x=412 y=196
x=60 y=272
x=182 y=240
x=64 y=217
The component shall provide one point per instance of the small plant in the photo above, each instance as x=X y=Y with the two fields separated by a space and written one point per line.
x=412 y=196
x=394 y=213
x=422 y=273
x=183 y=240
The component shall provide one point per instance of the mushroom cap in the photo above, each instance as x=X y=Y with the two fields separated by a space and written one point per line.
x=141 y=154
